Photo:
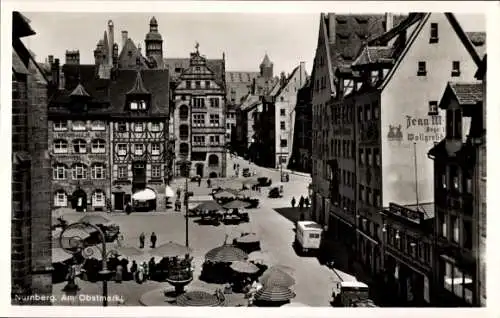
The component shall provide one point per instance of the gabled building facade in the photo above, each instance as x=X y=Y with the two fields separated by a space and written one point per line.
x=393 y=128
x=199 y=120
x=302 y=145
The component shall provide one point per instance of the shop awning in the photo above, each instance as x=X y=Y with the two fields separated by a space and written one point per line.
x=144 y=195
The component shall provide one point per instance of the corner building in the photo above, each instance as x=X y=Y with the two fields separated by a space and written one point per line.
x=199 y=120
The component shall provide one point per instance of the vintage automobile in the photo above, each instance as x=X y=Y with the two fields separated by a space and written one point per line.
x=195 y=178
x=264 y=181
x=275 y=193
x=246 y=172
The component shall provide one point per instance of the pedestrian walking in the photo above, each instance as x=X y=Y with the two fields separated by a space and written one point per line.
x=293 y=202
x=119 y=274
x=199 y=181
x=146 y=270
x=306 y=202
x=153 y=240
x=234 y=166
x=133 y=268
x=128 y=208
x=142 y=239
x=152 y=268
x=301 y=202
x=209 y=183
x=178 y=204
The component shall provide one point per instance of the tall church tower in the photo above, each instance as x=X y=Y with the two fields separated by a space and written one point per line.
x=266 y=67
x=111 y=43
x=154 y=43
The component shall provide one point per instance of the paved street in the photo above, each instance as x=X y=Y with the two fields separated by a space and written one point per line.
x=313 y=281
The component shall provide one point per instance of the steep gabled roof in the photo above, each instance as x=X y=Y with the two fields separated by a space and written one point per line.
x=422 y=20
x=374 y=54
x=478 y=39
x=138 y=88
x=215 y=65
x=79 y=91
x=481 y=71
x=466 y=94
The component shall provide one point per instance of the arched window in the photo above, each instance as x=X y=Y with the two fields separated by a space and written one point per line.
x=60 y=146
x=98 y=199
x=184 y=149
x=98 y=146
x=60 y=198
x=59 y=171
x=98 y=171
x=183 y=131
x=79 y=146
x=213 y=160
x=79 y=171
x=183 y=112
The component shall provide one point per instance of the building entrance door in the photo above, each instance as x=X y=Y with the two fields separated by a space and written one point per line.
x=199 y=170
x=79 y=202
x=119 y=200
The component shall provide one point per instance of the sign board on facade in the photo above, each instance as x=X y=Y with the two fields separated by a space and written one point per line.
x=404 y=212
x=425 y=129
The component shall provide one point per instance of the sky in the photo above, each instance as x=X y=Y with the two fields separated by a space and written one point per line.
x=245 y=38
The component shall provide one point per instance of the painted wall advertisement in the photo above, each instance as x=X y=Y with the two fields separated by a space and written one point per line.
x=414 y=129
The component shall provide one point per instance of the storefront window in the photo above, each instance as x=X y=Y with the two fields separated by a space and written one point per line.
x=458 y=283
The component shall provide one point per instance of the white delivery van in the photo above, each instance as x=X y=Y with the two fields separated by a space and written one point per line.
x=308 y=236
x=351 y=294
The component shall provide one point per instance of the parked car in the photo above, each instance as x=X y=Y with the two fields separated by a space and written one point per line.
x=265 y=181
x=275 y=193
x=246 y=172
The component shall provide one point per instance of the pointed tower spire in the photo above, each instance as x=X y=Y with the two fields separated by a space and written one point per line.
x=266 y=67
x=138 y=88
x=106 y=48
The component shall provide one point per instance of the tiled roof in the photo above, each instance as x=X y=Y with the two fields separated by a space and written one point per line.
x=79 y=91
x=155 y=81
x=18 y=65
x=241 y=77
x=177 y=65
x=467 y=93
x=138 y=87
x=373 y=54
x=266 y=62
x=427 y=208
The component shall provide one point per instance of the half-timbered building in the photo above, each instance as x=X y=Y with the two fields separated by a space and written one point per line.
x=139 y=138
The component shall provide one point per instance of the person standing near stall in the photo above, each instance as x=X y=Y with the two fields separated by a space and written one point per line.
x=142 y=239
x=154 y=238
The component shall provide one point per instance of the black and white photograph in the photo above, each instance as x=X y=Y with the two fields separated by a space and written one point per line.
x=247 y=159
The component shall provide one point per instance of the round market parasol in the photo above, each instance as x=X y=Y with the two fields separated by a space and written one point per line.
x=169 y=193
x=276 y=277
x=274 y=293
x=237 y=204
x=248 y=238
x=170 y=249
x=94 y=219
x=250 y=181
x=208 y=206
x=128 y=251
x=225 y=254
x=244 y=267
x=199 y=299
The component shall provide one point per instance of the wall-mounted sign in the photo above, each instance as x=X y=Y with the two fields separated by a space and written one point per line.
x=418 y=129
x=406 y=213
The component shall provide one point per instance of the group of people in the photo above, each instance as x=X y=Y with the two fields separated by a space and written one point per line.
x=303 y=202
x=153 y=240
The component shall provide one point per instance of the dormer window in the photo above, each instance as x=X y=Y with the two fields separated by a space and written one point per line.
x=138 y=105
x=78 y=125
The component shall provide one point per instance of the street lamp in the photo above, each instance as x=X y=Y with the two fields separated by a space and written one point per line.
x=75 y=245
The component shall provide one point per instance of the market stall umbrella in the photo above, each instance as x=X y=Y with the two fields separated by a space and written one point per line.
x=170 y=249
x=244 y=267
x=128 y=251
x=94 y=219
x=250 y=181
x=144 y=195
x=225 y=254
x=226 y=193
x=208 y=206
x=248 y=238
x=274 y=293
x=199 y=299
x=59 y=255
x=274 y=276
x=237 y=204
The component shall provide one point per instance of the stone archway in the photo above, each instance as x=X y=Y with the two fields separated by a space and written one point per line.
x=213 y=175
x=79 y=200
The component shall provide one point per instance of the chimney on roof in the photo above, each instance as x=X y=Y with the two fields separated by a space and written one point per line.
x=302 y=74
x=111 y=43
x=389 y=21
x=124 y=38
x=54 y=69
x=331 y=25
x=51 y=59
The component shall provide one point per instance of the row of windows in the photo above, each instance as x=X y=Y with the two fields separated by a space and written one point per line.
x=200 y=140
x=138 y=126
x=370 y=196
x=199 y=120
x=198 y=102
x=79 y=125
x=197 y=84
x=455 y=228
x=79 y=171
x=456 y=179
x=457 y=281
x=79 y=146
x=138 y=149
x=61 y=199
x=408 y=244
x=123 y=172
x=422 y=68
x=368 y=112
x=369 y=157
x=342 y=148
